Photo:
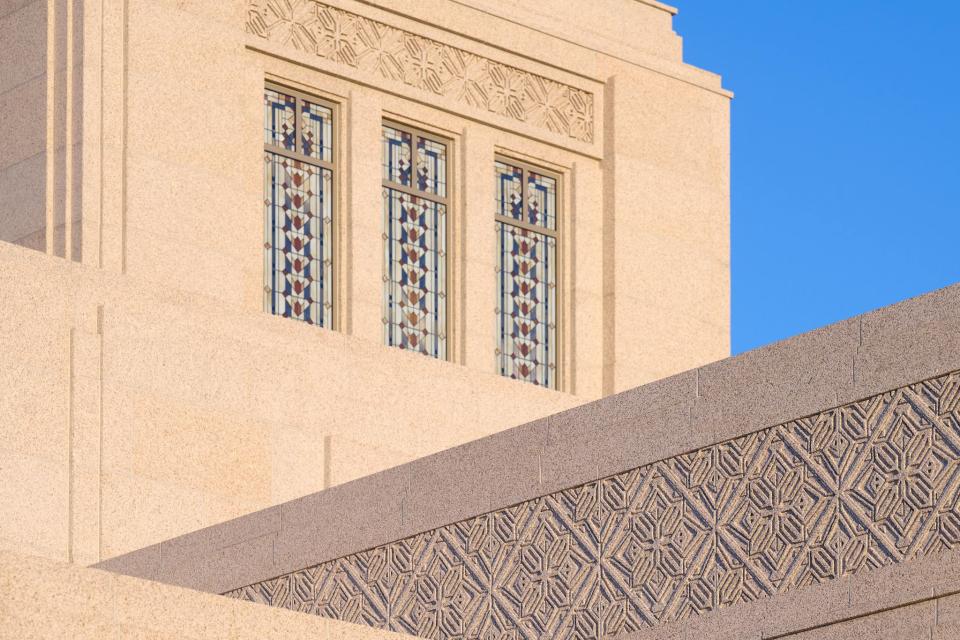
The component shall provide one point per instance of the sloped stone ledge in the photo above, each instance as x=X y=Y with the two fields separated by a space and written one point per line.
x=864 y=486
x=929 y=586
x=887 y=349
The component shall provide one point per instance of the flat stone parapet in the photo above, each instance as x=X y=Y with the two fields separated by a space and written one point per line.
x=811 y=460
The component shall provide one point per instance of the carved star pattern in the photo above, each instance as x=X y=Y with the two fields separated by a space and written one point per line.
x=290 y=22
x=425 y=64
x=865 y=485
x=337 y=39
x=506 y=92
x=467 y=77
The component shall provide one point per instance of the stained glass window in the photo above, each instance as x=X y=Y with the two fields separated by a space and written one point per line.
x=541 y=200
x=526 y=225
x=431 y=167
x=415 y=241
x=317 y=134
x=279 y=120
x=509 y=191
x=298 y=207
x=397 y=156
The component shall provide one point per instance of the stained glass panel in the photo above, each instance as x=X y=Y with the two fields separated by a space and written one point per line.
x=527 y=305
x=541 y=200
x=297 y=252
x=509 y=190
x=415 y=273
x=431 y=167
x=279 y=120
x=397 y=156
x=317 y=135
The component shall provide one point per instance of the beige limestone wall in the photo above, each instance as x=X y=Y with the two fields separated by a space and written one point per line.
x=205 y=235
x=647 y=201
x=194 y=191
x=145 y=392
x=580 y=54
x=132 y=414
x=42 y=599
x=667 y=189
x=615 y=27
x=169 y=190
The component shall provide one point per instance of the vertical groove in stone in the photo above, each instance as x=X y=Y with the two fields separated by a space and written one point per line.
x=124 y=87
x=609 y=240
x=51 y=142
x=68 y=137
x=71 y=480
x=100 y=432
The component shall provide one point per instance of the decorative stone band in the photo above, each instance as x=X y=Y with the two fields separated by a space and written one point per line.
x=806 y=480
x=865 y=485
x=440 y=69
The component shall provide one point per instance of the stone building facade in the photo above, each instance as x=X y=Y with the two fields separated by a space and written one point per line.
x=472 y=214
x=809 y=489
x=411 y=318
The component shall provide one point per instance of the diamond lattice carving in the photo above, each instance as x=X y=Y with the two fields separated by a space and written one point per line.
x=868 y=484
x=424 y=64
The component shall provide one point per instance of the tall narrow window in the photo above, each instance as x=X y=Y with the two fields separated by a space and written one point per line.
x=415 y=193
x=298 y=206
x=526 y=224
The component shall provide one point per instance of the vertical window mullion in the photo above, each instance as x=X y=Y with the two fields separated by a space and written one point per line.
x=298 y=142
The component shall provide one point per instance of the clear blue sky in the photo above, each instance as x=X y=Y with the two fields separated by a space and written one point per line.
x=846 y=153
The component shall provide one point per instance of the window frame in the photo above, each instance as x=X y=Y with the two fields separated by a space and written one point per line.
x=447 y=200
x=416 y=135
x=332 y=165
x=557 y=233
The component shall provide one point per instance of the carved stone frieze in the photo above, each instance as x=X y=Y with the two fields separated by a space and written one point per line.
x=431 y=66
x=868 y=484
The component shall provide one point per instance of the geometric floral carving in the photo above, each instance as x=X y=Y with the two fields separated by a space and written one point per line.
x=865 y=485
x=425 y=64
